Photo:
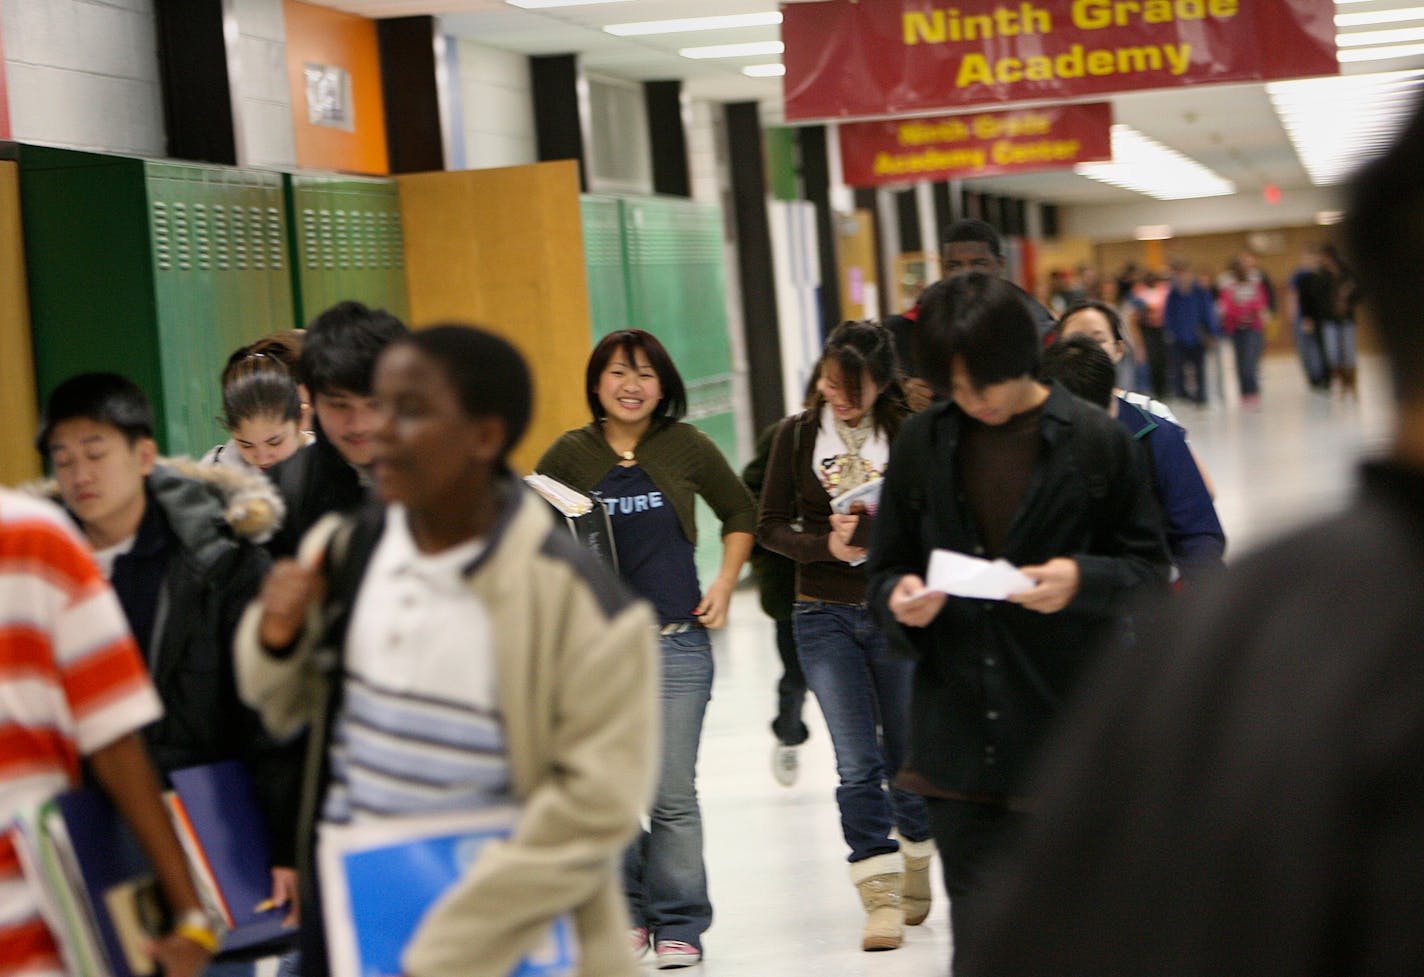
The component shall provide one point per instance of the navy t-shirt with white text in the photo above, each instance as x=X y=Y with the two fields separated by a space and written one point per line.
x=654 y=556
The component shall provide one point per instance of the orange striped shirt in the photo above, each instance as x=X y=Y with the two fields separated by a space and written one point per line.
x=72 y=681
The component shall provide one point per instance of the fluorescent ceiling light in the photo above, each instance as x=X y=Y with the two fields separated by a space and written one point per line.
x=1327 y=217
x=754 y=49
x=538 y=4
x=1144 y=165
x=1381 y=53
x=1367 y=38
x=1379 y=17
x=764 y=70
x=1153 y=232
x=1338 y=123
x=769 y=19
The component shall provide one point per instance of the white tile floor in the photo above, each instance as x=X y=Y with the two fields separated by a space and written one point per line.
x=783 y=903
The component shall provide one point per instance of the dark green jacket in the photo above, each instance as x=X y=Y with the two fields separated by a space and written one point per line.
x=682 y=462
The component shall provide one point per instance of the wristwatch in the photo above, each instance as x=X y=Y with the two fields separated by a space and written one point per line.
x=195 y=925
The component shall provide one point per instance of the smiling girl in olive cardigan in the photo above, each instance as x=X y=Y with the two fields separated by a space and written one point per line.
x=647 y=466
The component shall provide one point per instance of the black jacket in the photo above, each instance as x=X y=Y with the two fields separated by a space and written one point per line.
x=1241 y=794
x=314 y=481
x=183 y=586
x=991 y=675
x=775 y=574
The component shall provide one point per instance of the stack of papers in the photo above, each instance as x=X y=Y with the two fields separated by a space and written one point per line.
x=568 y=501
x=960 y=575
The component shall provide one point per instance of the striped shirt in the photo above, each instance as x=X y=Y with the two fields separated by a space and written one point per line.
x=419 y=729
x=71 y=682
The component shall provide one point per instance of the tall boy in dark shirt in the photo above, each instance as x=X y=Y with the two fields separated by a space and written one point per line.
x=1008 y=467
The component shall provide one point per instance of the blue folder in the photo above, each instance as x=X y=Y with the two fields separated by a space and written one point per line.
x=379 y=880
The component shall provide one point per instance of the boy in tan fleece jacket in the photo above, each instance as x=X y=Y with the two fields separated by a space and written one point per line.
x=463 y=594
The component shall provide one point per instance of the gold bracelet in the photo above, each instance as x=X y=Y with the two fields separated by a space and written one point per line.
x=201 y=935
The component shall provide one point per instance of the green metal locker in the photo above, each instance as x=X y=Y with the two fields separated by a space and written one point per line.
x=346 y=243
x=156 y=270
x=602 y=220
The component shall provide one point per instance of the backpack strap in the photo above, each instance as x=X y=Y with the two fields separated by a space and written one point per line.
x=347 y=551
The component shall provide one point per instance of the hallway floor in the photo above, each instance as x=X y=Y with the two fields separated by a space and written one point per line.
x=783 y=901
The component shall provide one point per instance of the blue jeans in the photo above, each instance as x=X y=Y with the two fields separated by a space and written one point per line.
x=1248 y=343
x=864 y=694
x=1312 y=355
x=1339 y=337
x=663 y=873
x=1189 y=360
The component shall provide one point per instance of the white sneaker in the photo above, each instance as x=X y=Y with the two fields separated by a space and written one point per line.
x=785 y=764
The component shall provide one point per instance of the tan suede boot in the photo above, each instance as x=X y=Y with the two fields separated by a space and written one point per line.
x=878 y=880
x=915 y=894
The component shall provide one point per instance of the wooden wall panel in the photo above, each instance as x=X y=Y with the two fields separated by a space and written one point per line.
x=503 y=248
x=18 y=406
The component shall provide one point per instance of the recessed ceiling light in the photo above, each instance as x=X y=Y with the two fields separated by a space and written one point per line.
x=1338 y=123
x=726 y=22
x=764 y=70
x=536 y=4
x=1397 y=35
x=1387 y=53
x=1370 y=17
x=754 y=49
x=1143 y=165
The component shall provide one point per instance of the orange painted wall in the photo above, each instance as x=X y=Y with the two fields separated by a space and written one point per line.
x=322 y=36
x=4 y=101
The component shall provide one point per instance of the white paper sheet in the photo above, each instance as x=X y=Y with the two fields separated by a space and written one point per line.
x=960 y=575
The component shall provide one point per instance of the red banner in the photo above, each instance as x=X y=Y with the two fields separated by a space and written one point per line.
x=985 y=144
x=848 y=58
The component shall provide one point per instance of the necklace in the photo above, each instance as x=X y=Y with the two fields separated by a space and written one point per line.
x=625 y=455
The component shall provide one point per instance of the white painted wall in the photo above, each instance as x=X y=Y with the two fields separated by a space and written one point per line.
x=702 y=120
x=262 y=98
x=84 y=74
x=497 y=99
x=1239 y=212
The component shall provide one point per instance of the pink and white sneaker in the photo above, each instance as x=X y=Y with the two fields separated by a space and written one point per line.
x=639 y=940
x=675 y=953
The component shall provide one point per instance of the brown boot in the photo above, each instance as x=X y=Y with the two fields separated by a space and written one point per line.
x=878 y=880
x=915 y=894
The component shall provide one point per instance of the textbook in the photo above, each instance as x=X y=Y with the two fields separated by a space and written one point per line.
x=58 y=888
x=585 y=514
x=218 y=819
x=866 y=492
x=97 y=891
x=105 y=874
x=380 y=877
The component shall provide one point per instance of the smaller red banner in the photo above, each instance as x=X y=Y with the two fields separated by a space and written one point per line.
x=956 y=147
